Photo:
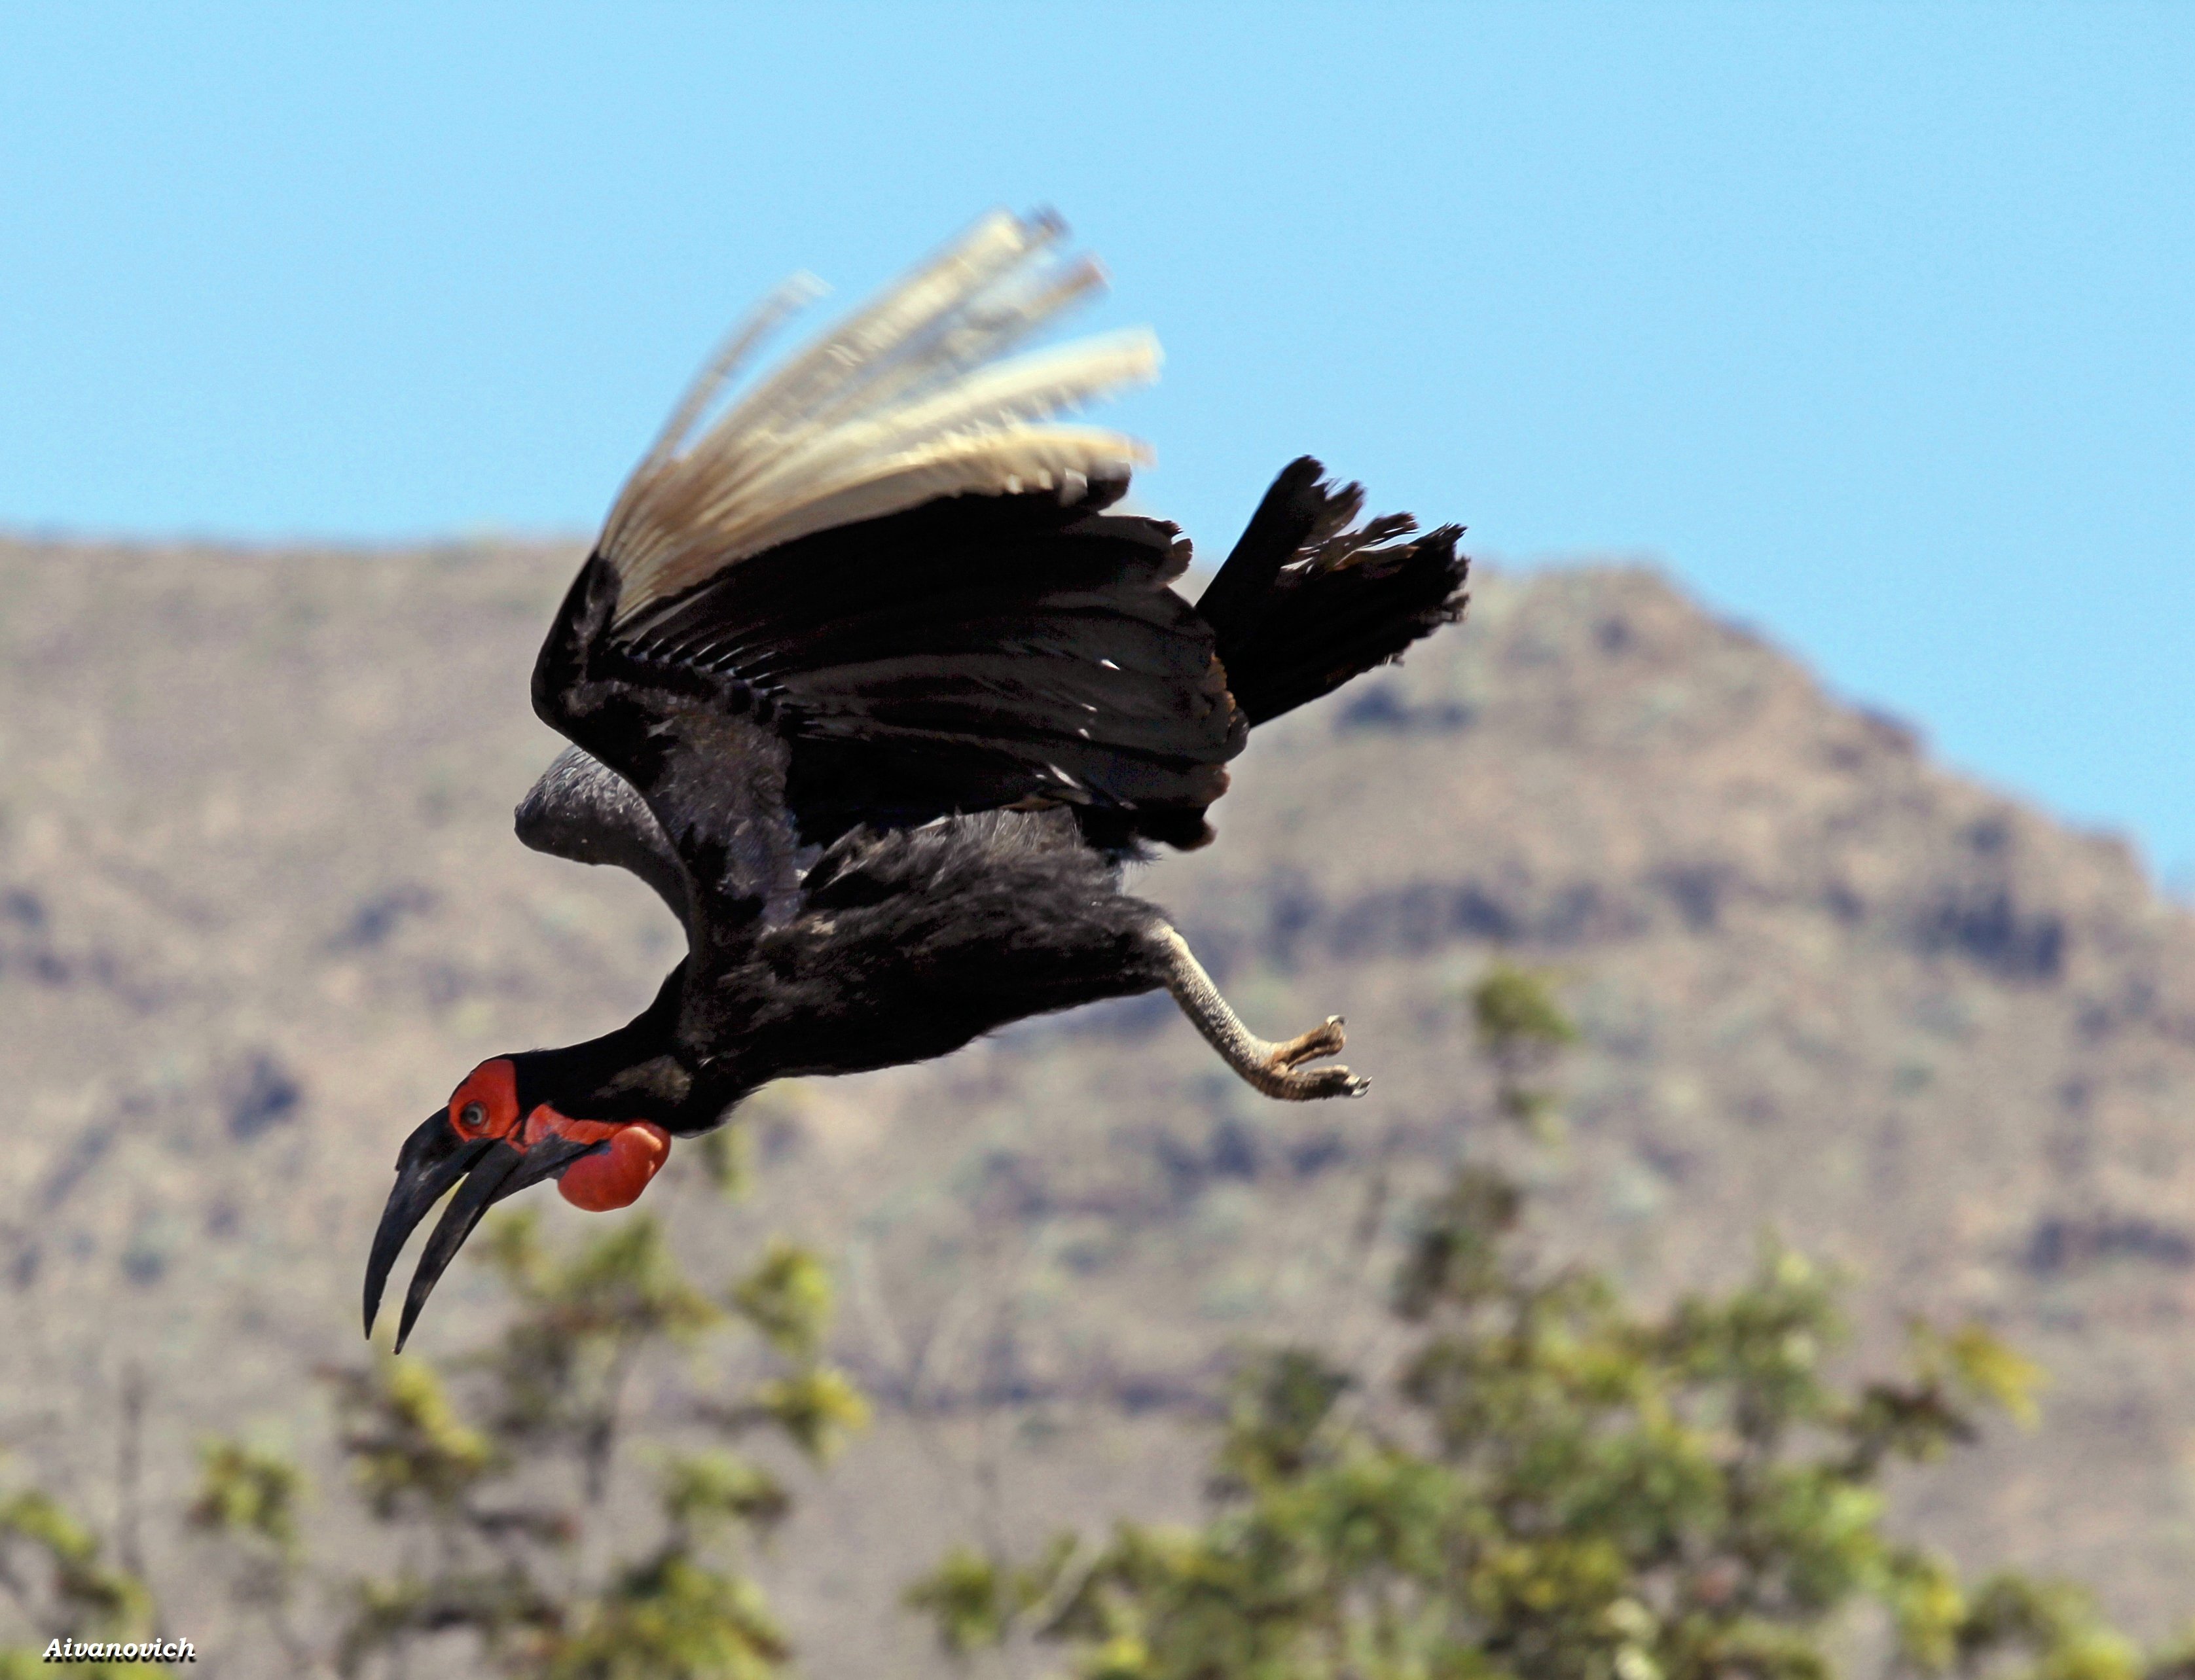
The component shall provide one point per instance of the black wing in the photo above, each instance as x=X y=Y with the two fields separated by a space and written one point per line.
x=582 y=809
x=882 y=587
x=974 y=653
x=880 y=590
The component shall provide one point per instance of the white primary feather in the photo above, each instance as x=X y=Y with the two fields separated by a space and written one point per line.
x=907 y=399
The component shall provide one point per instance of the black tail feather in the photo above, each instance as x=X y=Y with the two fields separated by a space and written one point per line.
x=1309 y=598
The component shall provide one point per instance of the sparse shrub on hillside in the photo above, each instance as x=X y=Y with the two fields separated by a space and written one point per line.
x=1551 y=1487
x=64 y=1587
x=538 y=1522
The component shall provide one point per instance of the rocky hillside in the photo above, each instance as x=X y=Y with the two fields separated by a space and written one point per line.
x=259 y=909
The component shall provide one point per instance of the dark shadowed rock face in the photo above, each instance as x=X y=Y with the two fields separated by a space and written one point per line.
x=260 y=909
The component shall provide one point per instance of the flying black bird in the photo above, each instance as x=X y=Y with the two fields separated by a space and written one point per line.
x=865 y=681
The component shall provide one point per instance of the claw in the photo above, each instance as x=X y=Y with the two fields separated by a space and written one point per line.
x=1289 y=1078
x=1313 y=1083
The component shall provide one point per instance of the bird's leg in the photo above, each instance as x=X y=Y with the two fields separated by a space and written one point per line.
x=1274 y=1069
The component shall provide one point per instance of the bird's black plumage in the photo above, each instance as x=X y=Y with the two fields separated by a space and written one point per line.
x=886 y=769
x=1311 y=598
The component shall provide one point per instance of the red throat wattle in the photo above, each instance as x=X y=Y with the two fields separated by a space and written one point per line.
x=615 y=1177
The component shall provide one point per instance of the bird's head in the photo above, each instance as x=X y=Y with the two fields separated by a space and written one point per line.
x=505 y=1127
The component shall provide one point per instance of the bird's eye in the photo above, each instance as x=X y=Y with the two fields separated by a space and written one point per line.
x=473 y=1116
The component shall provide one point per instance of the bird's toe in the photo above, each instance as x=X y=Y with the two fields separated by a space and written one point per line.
x=1326 y=1039
x=1313 y=1083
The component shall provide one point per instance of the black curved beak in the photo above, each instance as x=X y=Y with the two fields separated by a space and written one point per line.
x=433 y=1160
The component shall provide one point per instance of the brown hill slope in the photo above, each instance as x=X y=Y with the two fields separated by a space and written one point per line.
x=259 y=909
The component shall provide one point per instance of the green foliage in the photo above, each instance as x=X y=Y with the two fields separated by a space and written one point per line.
x=512 y=1515
x=245 y=1493
x=84 y=1589
x=965 y=1596
x=1975 y=1362
x=788 y=1298
x=817 y=1408
x=1554 y=1485
x=27 y=1662
x=54 y=1569
x=411 y=1452
x=1514 y=1010
x=58 y=1575
x=974 y=1600
x=495 y=1483
x=701 y=1491
x=557 y=1377
x=1521 y=1028
x=671 y=1616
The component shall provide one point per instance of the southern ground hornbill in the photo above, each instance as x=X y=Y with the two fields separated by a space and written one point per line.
x=863 y=679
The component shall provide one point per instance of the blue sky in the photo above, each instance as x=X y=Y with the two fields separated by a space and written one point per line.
x=1875 y=324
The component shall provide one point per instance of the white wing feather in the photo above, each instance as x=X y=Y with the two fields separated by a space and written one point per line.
x=907 y=399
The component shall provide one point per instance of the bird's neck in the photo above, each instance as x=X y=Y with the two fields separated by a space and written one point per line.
x=640 y=1071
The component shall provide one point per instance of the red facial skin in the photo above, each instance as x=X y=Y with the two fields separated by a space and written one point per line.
x=486 y=1105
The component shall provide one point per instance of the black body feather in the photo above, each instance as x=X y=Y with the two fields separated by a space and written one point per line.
x=886 y=772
